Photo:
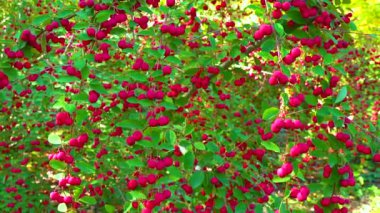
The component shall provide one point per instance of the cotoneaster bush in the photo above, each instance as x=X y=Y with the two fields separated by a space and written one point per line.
x=184 y=106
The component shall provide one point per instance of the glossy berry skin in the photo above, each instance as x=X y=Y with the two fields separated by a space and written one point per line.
x=170 y=3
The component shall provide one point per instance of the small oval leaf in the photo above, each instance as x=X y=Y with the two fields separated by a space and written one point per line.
x=270 y=146
x=270 y=113
x=196 y=179
x=341 y=95
x=57 y=165
x=53 y=138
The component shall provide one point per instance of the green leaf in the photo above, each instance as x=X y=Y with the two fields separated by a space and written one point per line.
x=279 y=29
x=175 y=173
x=80 y=63
x=314 y=187
x=340 y=68
x=148 y=32
x=131 y=124
x=300 y=174
x=85 y=167
x=142 y=102
x=64 y=13
x=318 y=153
x=333 y=159
x=277 y=179
x=53 y=138
x=318 y=70
x=95 y=85
x=271 y=113
x=199 y=146
x=103 y=15
x=222 y=178
x=137 y=195
x=11 y=73
x=253 y=7
x=211 y=146
x=57 y=165
x=321 y=145
x=85 y=72
x=353 y=26
x=296 y=16
x=268 y=45
x=323 y=114
x=41 y=19
x=212 y=42
x=168 y=104
x=146 y=9
x=135 y=162
x=336 y=112
x=259 y=11
x=43 y=43
x=171 y=137
x=81 y=25
x=62 y=207
x=188 y=160
x=196 y=179
x=156 y=53
x=328 y=59
x=69 y=108
x=109 y=208
x=352 y=129
x=59 y=176
x=241 y=208
x=187 y=54
x=67 y=79
x=81 y=115
x=118 y=31
x=88 y=200
x=137 y=76
x=341 y=95
x=285 y=98
x=235 y=51
x=372 y=128
x=164 y=9
x=146 y=144
x=231 y=36
x=270 y=146
x=311 y=100
x=84 y=36
x=174 y=60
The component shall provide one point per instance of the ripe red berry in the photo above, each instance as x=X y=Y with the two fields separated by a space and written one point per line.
x=130 y=141
x=163 y=120
x=93 y=96
x=137 y=135
x=376 y=158
x=276 y=14
x=170 y=3
x=4 y=81
x=91 y=32
x=132 y=184
x=327 y=171
x=166 y=70
x=285 y=170
x=100 y=35
x=285 y=6
x=363 y=149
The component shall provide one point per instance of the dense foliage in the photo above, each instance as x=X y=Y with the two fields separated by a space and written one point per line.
x=185 y=106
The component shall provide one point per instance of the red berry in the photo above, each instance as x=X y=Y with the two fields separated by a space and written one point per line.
x=170 y=3
x=286 y=6
x=166 y=70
